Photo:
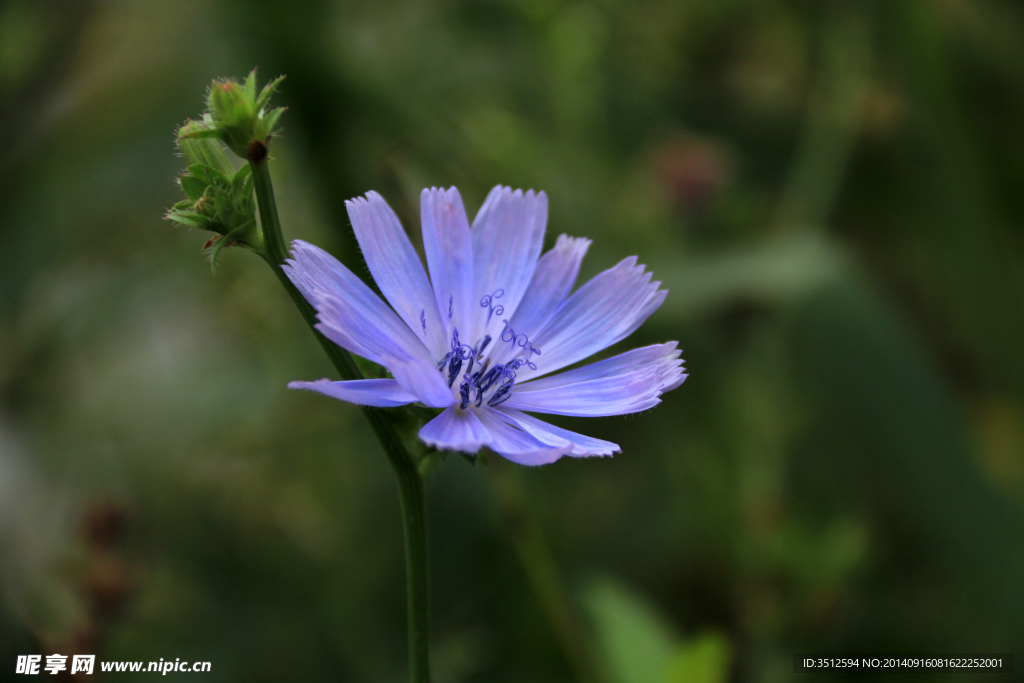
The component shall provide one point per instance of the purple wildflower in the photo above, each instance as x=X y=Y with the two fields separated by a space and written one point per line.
x=481 y=336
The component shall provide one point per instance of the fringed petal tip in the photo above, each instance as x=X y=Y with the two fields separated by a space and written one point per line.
x=514 y=436
x=630 y=382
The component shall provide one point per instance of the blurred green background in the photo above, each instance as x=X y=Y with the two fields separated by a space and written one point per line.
x=831 y=191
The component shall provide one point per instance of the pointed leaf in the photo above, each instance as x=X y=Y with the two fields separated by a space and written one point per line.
x=229 y=240
x=245 y=195
x=210 y=176
x=192 y=186
x=214 y=251
x=215 y=157
x=267 y=123
x=192 y=220
x=204 y=133
x=223 y=207
x=250 y=86
x=240 y=175
x=268 y=90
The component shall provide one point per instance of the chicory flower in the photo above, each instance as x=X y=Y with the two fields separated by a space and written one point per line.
x=481 y=336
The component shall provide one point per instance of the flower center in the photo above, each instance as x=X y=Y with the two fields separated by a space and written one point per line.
x=481 y=381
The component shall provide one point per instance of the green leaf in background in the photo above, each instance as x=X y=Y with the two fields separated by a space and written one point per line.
x=777 y=271
x=639 y=645
x=636 y=641
x=705 y=659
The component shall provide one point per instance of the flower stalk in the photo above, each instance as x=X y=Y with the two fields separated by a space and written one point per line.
x=410 y=484
x=219 y=199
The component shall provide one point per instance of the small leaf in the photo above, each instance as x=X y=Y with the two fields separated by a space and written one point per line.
x=192 y=186
x=210 y=175
x=201 y=134
x=201 y=171
x=226 y=241
x=192 y=220
x=243 y=195
x=265 y=94
x=218 y=244
x=241 y=175
x=268 y=122
x=250 y=86
x=223 y=207
x=215 y=157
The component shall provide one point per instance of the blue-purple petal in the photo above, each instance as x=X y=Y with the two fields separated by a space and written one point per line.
x=580 y=445
x=449 y=250
x=552 y=280
x=368 y=333
x=628 y=383
x=397 y=269
x=351 y=314
x=456 y=430
x=518 y=445
x=381 y=393
x=424 y=381
x=603 y=311
x=508 y=233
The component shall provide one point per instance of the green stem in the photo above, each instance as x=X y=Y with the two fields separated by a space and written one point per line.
x=410 y=484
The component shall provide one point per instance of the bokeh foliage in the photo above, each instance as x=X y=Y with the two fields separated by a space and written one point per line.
x=830 y=190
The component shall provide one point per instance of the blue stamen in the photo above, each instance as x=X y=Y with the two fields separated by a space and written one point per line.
x=423 y=319
x=490 y=377
x=483 y=344
x=488 y=299
x=500 y=378
x=453 y=369
x=522 y=341
x=459 y=353
x=451 y=299
x=501 y=395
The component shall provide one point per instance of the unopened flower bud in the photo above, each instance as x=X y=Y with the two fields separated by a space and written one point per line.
x=217 y=197
x=203 y=150
x=233 y=114
x=237 y=116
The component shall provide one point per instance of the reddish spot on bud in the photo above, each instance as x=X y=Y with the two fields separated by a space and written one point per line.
x=257 y=151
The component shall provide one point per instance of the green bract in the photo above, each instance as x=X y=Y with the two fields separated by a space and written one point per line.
x=237 y=116
x=219 y=198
